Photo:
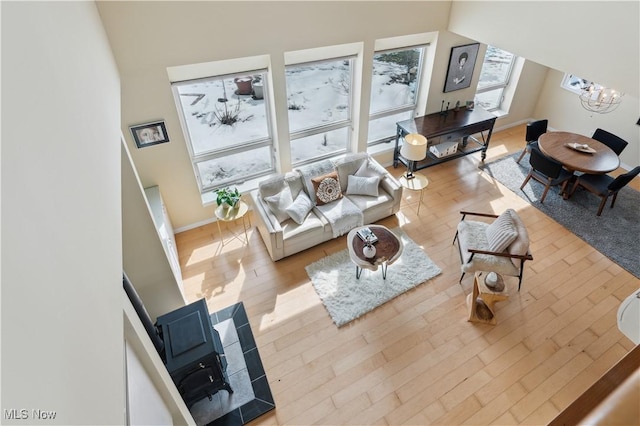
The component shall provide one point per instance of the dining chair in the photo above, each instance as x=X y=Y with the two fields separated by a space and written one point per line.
x=546 y=171
x=605 y=186
x=534 y=130
x=616 y=143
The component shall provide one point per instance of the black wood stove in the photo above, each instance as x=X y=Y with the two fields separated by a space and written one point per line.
x=194 y=354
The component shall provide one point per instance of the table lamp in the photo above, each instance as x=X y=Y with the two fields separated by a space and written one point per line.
x=413 y=149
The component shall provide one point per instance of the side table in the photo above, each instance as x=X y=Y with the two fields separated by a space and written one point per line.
x=228 y=214
x=388 y=249
x=486 y=313
x=418 y=183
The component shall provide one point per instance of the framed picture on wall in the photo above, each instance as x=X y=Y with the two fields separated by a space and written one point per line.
x=461 y=64
x=149 y=134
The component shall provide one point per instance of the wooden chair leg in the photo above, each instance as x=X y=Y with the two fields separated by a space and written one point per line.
x=546 y=189
x=613 y=199
x=575 y=185
x=461 y=277
x=521 y=155
x=526 y=180
x=602 y=203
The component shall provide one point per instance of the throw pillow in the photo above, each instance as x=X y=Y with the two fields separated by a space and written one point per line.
x=369 y=169
x=363 y=185
x=300 y=208
x=279 y=202
x=326 y=188
x=501 y=233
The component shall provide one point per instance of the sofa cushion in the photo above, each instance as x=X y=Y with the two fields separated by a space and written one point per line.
x=300 y=208
x=501 y=233
x=309 y=171
x=279 y=202
x=326 y=188
x=359 y=185
x=349 y=165
x=371 y=168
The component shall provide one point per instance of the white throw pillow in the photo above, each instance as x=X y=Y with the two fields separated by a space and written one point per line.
x=300 y=208
x=363 y=185
x=369 y=169
x=501 y=233
x=279 y=202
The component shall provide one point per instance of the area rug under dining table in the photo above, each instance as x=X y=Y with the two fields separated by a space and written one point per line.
x=614 y=234
x=347 y=298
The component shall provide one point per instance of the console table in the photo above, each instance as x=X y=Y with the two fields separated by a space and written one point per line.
x=452 y=126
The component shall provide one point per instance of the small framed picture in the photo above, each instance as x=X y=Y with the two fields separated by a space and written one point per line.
x=148 y=134
x=461 y=64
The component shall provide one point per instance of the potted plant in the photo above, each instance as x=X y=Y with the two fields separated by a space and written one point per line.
x=227 y=197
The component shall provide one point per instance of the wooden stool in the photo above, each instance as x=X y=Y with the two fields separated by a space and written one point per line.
x=483 y=310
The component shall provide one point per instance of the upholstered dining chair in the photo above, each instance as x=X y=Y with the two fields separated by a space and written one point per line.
x=547 y=171
x=605 y=186
x=616 y=143
x=534 y=130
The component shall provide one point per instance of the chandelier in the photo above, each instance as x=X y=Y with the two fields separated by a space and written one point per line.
x=596 y=98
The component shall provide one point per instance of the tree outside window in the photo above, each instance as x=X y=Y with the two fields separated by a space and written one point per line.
x=394 y=88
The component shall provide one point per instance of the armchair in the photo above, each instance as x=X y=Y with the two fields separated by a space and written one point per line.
x=501 y=246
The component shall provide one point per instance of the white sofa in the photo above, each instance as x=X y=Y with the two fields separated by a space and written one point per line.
x=279 y=203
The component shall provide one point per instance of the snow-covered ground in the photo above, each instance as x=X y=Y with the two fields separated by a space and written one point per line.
x=318 y=94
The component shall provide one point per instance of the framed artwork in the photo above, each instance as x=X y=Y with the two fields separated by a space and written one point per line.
x=148 y=134
x=461 y=64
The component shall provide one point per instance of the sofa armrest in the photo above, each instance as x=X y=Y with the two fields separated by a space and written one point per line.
x=268 y=226
x=392 y=186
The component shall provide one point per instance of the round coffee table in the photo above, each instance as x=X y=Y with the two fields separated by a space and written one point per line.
x=388 y=249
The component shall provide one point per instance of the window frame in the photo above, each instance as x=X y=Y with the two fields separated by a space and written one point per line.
x=328 y=127
x=403 y=108
x=502 y=86
x=217 y=153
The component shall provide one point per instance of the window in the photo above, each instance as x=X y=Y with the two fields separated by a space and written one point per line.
x=319 y=104
x=494 y=78
x=394 y=88
x=225 y=121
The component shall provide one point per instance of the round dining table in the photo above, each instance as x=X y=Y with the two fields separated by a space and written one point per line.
x=557 y=145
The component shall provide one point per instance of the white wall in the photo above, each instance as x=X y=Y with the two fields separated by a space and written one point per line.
x=148 y=37
x=597 y=40
x=143 y=256
x=62 y=327
x=565 y=113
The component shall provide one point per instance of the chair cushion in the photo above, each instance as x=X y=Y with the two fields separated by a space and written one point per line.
x=520 y=245
x=363 y=185
x=326 y=188
x=501 y=233
x=300 y=208
x=473 y=235
x=279 y=202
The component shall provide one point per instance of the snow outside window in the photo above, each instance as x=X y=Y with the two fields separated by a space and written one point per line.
x=494 y=78
x=394 y=87
x=227 y=128
x=319 y=104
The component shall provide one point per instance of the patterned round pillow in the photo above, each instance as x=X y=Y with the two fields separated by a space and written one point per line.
x=327 y=188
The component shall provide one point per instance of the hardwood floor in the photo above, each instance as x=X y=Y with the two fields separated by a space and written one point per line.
x=416 y=359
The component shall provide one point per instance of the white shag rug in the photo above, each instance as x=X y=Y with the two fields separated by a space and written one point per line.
x=347 y=298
